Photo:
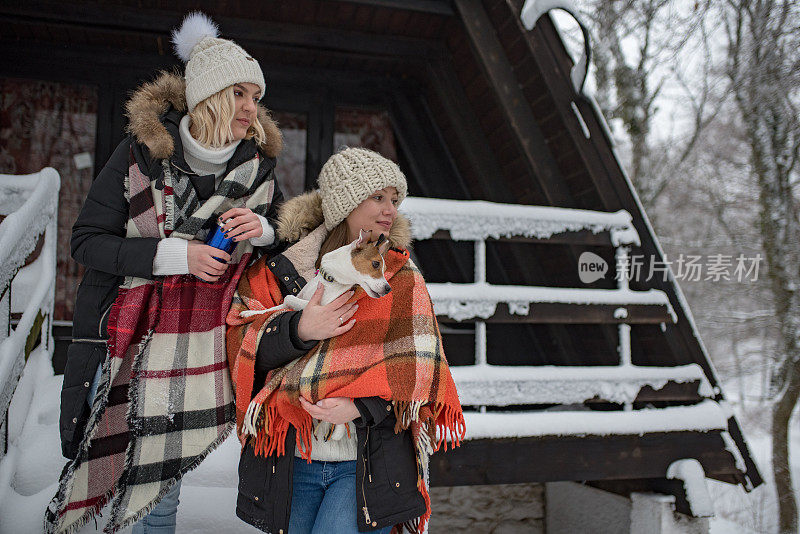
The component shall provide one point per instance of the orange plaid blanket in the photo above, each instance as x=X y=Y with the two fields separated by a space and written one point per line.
x=393 y=351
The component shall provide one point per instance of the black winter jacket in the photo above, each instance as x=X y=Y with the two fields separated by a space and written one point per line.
x=386 y=466
x=99 y=243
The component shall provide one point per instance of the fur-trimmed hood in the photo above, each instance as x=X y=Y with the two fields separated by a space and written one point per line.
x=152 y=99
x=299 y=216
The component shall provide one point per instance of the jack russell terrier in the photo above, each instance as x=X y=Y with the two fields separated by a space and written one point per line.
x=357 y=263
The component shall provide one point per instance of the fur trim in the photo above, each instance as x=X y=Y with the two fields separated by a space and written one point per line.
x=145 y=108
x=273 y=144
x=152 y=99
x=298 y=216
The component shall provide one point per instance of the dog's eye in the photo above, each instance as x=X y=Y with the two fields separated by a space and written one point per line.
x=376 y=264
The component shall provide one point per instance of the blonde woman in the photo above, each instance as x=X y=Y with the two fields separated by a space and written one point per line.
x=147 y=392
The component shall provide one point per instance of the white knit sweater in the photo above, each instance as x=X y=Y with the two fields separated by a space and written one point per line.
x=333 y=450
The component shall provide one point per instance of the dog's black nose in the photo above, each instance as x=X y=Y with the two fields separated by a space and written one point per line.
x=386 y=289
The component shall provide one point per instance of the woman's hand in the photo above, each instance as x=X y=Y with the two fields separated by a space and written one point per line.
x=203 y=263
x=336 y=410
x=241 y=223
x=321 y=322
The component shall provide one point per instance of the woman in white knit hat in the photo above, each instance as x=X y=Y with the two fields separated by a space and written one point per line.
x=369 y=366
x=147 y=392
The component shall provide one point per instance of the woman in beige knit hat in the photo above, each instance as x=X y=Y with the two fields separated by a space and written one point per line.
x=147 y=392
x=364 y=473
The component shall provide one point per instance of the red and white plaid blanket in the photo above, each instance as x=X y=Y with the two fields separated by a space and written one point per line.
x=164 y=401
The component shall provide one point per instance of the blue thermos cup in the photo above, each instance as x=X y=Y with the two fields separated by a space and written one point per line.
x=216 y=238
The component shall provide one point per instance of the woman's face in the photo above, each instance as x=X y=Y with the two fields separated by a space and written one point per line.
x=246 y=96
x=376 y=213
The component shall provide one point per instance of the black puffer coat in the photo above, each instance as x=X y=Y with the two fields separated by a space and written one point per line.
x=98 y=235
x=386 y=466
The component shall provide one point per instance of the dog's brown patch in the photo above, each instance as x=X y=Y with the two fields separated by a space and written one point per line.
x=368 y=260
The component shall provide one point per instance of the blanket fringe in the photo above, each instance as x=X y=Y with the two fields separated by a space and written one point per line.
x=406 y=412
x=422 y=521
x=451 y=428
x=251 y=416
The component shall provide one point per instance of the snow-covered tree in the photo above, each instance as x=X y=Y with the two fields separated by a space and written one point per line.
x=763 y=67
x=639 y=51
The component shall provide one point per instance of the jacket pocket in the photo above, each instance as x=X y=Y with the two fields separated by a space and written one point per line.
x=399 y=456
x=93 y=301
x=255 y=476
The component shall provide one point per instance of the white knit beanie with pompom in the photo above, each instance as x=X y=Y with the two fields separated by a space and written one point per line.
x=350 y=177
x=212 y=64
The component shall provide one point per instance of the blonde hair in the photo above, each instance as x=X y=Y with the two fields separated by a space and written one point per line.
x=212 y=117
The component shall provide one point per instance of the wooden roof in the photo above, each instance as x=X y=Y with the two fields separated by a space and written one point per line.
x=482 y=108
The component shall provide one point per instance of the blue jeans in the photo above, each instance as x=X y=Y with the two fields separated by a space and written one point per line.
x=323 y=498
x=163 y=517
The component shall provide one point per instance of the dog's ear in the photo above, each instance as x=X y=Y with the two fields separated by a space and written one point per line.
x=383 y=244
x=363 y=239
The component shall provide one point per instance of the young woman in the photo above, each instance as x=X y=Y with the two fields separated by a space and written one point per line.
x=147 y=392
x=374 y=365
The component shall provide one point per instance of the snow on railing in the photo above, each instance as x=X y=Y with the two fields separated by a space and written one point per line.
x=31 y=205
x=548 y=384
x=482 y=384
x=702 y=417
x=478 y=220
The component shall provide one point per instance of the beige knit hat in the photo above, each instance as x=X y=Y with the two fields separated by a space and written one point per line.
x=212 y=64
x=350 y=177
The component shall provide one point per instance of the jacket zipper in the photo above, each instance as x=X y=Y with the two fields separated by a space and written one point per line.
x=363 y=474
x=182 y=170
x=88 y=340
x=100 y=324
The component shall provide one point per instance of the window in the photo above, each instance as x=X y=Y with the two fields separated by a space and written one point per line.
x=49 y=124
x=291 y=168
x=372 y=129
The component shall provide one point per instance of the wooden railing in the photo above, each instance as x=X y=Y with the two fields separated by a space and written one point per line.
x=483 y=384
x=30 y=203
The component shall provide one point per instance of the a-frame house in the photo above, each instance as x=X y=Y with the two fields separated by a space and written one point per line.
x=603 y=382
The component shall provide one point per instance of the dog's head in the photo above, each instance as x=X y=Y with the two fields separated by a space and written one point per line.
x=361 y=263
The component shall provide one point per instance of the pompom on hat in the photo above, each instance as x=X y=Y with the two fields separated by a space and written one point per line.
x=212 y=63
x=350 y=177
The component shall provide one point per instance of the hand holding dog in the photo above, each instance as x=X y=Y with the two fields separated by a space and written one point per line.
x=203 y=262
x=319 y=322
x=242 y=223
x=336 y=410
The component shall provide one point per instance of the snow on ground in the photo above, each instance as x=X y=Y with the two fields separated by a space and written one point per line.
x=208 y=494
x=755 y=511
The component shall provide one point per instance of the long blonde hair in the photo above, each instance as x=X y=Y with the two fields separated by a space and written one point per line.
x=212 y=117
